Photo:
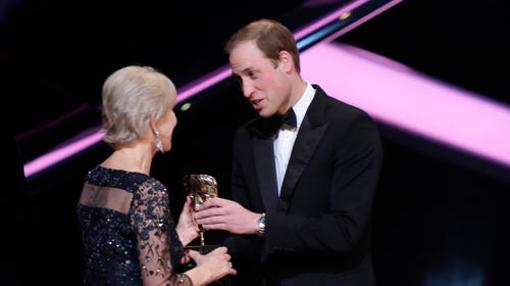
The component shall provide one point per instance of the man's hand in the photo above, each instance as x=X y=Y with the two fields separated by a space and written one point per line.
x=218 y=213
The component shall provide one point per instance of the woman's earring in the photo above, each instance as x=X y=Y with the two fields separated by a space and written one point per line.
x=158 y=143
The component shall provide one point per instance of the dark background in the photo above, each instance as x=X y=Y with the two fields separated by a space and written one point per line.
x=440 y=215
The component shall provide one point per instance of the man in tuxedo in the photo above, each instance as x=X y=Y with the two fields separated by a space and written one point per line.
x=304 y=173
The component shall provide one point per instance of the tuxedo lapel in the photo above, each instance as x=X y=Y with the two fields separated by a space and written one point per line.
x=310 y=134
x=266 y=175
x=304 y=147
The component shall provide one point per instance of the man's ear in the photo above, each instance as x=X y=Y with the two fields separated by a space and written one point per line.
x=286 y=62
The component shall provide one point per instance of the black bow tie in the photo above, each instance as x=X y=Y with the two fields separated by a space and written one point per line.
x=289 y=118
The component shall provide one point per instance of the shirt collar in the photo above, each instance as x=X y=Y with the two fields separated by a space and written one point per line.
x=302 y=105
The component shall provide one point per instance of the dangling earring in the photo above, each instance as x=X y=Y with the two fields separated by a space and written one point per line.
x=158 y=143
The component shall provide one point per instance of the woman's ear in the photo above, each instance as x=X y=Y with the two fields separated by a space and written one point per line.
x=153 y=124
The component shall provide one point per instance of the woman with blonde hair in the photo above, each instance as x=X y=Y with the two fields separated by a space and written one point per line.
x=128 y=233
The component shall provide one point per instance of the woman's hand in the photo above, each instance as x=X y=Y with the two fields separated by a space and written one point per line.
x=187 y=229
x=210 y=267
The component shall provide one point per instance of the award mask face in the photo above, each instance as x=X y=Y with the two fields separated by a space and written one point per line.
x=200 y=188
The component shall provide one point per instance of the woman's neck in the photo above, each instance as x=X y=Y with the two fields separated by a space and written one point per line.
x=133 y=158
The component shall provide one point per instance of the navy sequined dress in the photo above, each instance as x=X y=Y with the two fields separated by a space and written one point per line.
x=127 y=230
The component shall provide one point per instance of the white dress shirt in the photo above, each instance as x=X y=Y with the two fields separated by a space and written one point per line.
x=284 y=142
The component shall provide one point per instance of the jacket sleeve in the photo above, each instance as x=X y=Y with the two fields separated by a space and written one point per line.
x=243 y=248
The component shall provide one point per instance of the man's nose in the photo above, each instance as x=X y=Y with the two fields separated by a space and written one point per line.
x=247 y=89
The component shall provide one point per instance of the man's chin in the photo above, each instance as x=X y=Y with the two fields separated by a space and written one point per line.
x=264 y=113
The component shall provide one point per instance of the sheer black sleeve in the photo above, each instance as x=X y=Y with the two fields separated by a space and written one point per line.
x=157 y=239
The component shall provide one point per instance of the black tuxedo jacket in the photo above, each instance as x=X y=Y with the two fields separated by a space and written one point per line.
x=317 y=230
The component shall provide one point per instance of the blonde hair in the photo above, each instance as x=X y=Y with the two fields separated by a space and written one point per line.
x=271 y=38
x=131 y=96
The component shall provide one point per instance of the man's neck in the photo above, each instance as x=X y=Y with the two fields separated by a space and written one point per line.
x=297 y=91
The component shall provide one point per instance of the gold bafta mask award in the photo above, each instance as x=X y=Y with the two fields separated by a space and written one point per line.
x=201 y=188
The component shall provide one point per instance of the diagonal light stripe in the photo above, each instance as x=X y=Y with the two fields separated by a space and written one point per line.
x=408 y=100
x=60 y=154
x=314 y=27
x=307 y=34
x=302 y=36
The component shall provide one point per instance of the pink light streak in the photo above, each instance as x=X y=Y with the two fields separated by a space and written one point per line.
x=408 y=100
x=60 y=154
x=224 y=72
x=184 y=93
x=205 y=82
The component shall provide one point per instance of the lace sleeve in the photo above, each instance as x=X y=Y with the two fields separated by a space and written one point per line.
x=156 y=235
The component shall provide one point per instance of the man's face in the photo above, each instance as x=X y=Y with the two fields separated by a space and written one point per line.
x=266 y=87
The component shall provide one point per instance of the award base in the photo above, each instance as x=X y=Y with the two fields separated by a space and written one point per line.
x=203 y=249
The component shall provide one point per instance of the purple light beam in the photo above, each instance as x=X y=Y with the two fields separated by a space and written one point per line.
x=400 y=96
x=195 y=87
